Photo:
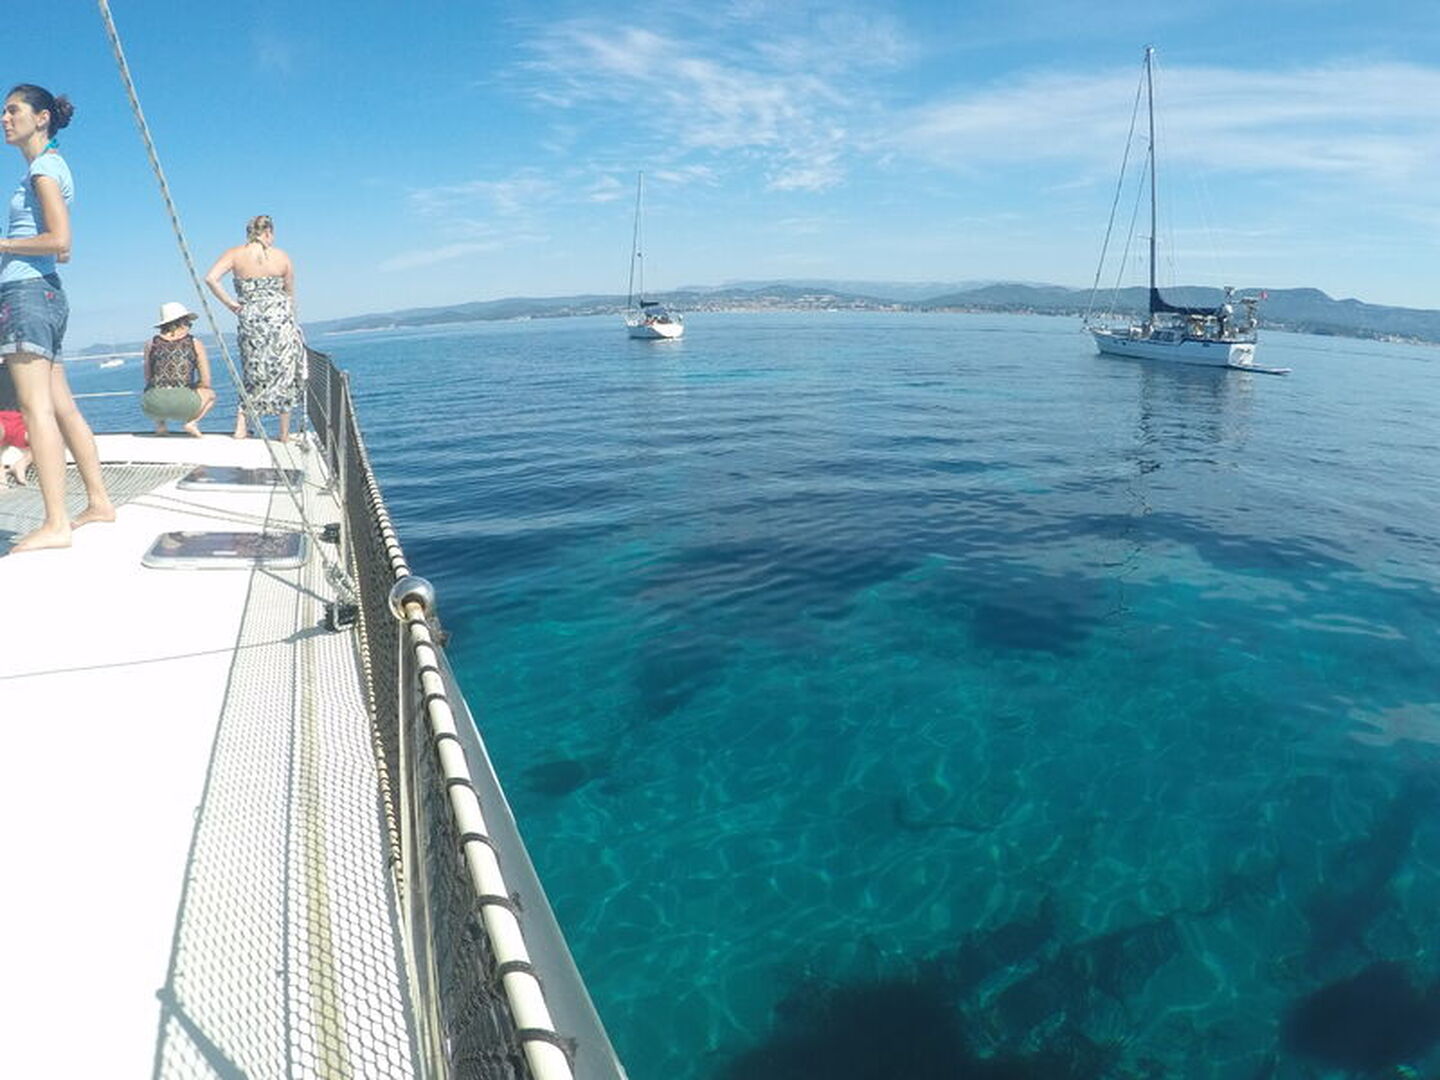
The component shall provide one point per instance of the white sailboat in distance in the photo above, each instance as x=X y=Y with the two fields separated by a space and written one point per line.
x=646 y=319
x=1209 y=336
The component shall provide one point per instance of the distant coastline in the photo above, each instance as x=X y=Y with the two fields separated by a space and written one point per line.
x=1303 y=311
x=1306 y=311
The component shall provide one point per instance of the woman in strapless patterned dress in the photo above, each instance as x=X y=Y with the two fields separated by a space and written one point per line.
x=272 y=351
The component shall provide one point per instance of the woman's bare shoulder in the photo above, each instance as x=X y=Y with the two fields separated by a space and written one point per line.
x=248 y=263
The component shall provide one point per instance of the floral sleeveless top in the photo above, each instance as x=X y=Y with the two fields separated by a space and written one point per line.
x=173 y=363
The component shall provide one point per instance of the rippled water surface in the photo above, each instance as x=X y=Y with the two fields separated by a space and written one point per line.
x=890 y=695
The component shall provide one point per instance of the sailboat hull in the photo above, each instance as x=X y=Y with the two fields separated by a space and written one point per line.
x=1204 y=352
x=655 y=331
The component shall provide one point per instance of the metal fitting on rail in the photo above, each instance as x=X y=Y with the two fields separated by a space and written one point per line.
x=411 y=588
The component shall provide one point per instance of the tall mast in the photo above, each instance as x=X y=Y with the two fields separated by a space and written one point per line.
x=1150 y=105
x=635 y=254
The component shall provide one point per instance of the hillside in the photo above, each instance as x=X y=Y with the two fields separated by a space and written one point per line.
x=1300 y=310
x=1307 y=311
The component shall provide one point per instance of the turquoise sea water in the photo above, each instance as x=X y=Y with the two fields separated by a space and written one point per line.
x=928 y=696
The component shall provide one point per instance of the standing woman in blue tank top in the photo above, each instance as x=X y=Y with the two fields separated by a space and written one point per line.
x=33 y=313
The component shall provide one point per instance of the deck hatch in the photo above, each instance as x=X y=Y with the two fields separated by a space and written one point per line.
x=234 y=478
x=227 y=551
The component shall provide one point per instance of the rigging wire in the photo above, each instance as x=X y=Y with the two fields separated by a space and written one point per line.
x=636 y=255
x=1119 y=187
x=1167 y=243
x=1135 y=211
x=1201 y=205
x=1185 y=199
x=334 y=572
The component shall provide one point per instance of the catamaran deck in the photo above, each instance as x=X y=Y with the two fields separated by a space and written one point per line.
x=199 y=861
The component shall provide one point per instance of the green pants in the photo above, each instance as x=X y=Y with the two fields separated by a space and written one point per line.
x=178 y=403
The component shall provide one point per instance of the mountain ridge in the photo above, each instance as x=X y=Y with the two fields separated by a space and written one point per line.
x=1300 y=310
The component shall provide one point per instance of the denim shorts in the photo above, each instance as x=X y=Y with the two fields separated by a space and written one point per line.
x=33 y=314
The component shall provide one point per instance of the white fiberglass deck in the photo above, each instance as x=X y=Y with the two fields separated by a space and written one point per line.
x=198 y=880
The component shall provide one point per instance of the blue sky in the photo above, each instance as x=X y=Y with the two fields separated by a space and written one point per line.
x=427 y=153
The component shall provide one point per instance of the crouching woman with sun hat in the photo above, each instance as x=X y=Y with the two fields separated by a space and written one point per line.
x=177 y=373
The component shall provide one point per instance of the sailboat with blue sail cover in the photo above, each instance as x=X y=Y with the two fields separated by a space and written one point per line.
x=648 y=320
x=1216 y=336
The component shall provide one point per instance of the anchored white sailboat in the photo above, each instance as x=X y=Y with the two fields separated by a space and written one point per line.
x=646 y=319
x=1209 y=336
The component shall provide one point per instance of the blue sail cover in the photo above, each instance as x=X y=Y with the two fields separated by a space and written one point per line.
x=1158 y=304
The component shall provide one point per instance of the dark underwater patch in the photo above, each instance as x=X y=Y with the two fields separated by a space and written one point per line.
x=1008 y=625
x=669 y=672
x=983 y=954
x=1367 y=1022
x=1071 y=982
x=868 y=1031
x=1041 y=614
x=1358 y=875
x=1120 y=963
x=788 y=576
x=906 y=1027
x=1009 y=607
x=563 y=775
x=1008 y=1003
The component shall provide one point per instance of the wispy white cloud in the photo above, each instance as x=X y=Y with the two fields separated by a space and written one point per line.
x=414 y=260
x=776 y=97
x=805 y=226
x=1357 y=121
x=834 y=43
x=688 y=174
x=607 y=189
x=477 y=217
x=801 y=103
x=512 y=197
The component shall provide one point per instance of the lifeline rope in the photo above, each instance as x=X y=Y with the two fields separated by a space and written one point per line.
x=334 y=572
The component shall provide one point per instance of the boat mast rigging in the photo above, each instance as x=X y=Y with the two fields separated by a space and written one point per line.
x=636 y=255
x=1150 y=106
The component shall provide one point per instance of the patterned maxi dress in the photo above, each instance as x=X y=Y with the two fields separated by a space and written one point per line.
x=271 y=348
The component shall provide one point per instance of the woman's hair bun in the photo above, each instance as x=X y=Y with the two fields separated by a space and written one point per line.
x=60 y=113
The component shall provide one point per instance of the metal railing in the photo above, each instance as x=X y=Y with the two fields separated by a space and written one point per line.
x=495 y=990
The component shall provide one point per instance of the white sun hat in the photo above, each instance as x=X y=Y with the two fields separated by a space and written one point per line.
x=172 y=310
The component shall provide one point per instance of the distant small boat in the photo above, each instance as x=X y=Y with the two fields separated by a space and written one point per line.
x=1208 y=336
x=646 y=319
x=117 y=362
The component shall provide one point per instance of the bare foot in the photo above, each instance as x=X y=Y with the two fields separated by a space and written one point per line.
x=91 y=513
x=41 y=539
x=160 y=428
x=239 y=434
x=191 y=429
